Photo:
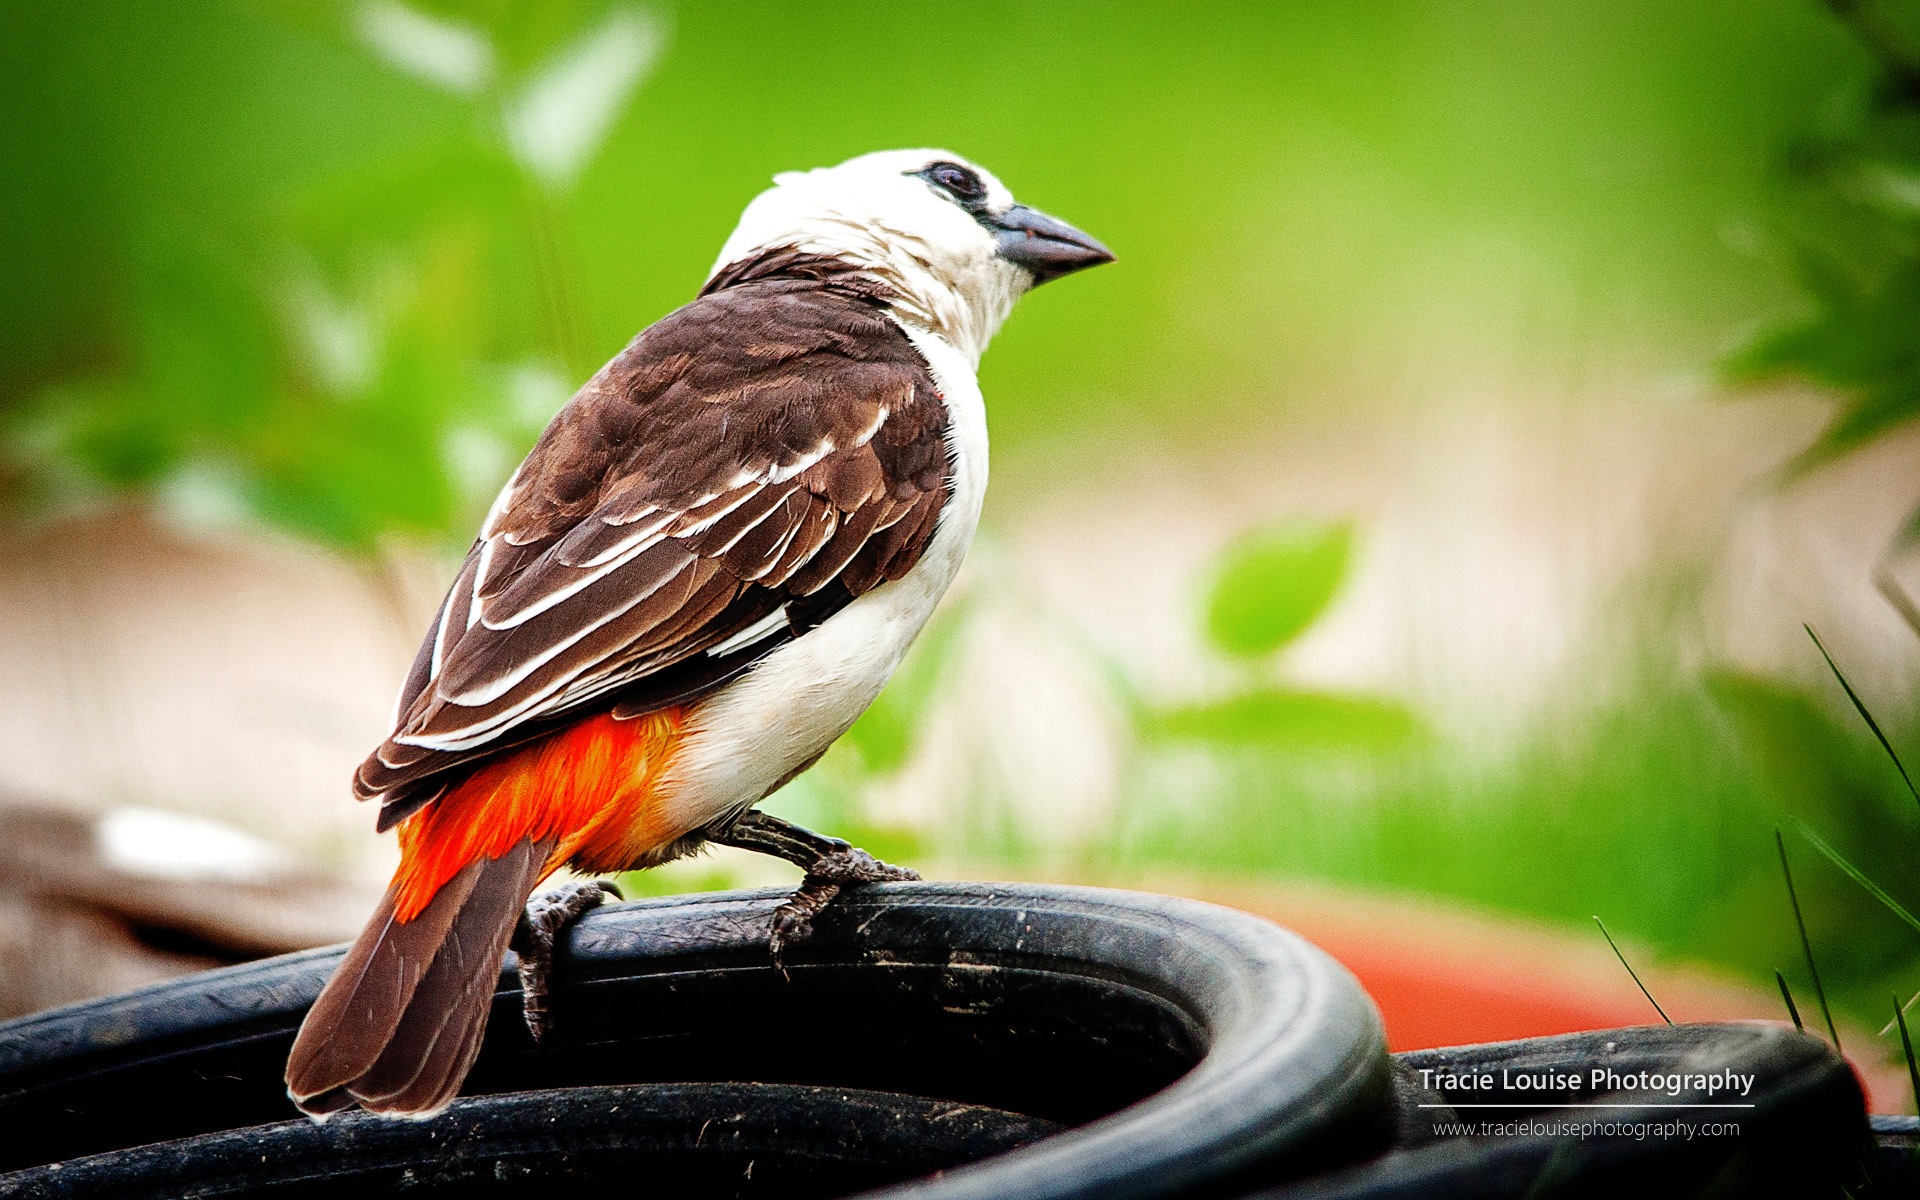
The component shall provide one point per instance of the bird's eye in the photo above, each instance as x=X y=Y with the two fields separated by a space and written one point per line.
x=957 y=181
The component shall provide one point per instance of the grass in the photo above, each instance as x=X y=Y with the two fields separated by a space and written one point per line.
x=1786 y=995
x=1806 y=943
x=1866 y=715
x=1906 y=1046
x=1638 y=982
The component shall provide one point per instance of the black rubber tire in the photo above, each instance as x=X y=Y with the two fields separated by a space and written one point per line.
x=1802 y=1130
x=692 y=1139
x=1188 y=1047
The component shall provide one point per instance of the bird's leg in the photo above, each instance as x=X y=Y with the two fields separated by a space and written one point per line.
x=830 y=864
x=547 y=916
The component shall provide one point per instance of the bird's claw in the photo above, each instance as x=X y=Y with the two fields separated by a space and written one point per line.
x=547 y=917
x=844 y=867
x=830 y=863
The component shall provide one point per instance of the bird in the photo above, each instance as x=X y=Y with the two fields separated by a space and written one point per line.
x=703 y=572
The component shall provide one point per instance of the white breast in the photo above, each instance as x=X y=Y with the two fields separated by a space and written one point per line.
x=756 y=732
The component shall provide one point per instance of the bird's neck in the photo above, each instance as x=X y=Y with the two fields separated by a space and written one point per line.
x=967 y=316
x=963 y=303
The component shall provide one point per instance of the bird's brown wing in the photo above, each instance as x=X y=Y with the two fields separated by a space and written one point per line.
x=746 y=467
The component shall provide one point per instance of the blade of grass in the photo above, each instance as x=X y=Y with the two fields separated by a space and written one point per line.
x=1856 y=874
x=1860 y=707
x=1872 y=889
x=1630 y=970
x=1806 y=943
x=1786 y=993
x=1907 y=1007
x=1906 y=1044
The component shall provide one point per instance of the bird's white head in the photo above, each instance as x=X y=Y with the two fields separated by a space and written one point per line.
x=943 y=234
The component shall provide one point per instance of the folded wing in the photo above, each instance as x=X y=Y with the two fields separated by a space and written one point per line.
x=746 y=467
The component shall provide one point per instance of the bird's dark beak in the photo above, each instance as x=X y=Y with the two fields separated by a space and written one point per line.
x=1047 y=247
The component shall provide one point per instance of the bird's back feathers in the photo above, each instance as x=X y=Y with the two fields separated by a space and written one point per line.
x=751 y=463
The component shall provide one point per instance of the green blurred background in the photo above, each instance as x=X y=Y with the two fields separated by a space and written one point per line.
x=313 y=275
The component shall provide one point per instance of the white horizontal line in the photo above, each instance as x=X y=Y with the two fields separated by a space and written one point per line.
x=1552 y=1104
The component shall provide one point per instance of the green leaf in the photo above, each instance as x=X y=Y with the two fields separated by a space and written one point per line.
x=1865 y=416
x=1809 y=759
x=1275 y=582
x=111 y=432
x=1276 y=718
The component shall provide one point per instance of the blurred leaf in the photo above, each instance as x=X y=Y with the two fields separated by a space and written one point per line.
x=1274 y=583
x=1850 y=224
x=446 y=53
x=107 y=431
x=1876 y=410
x=1287 y=719
x=1810 y=758
x=560 y=119
x=1820 y=772
x=1863 y=348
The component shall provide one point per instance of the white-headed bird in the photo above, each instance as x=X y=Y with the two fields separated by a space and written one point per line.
x=703 y=573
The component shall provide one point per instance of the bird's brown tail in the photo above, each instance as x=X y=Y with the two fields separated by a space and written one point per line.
x=397 y=1027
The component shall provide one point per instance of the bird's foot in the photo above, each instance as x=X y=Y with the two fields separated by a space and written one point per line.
x=547 y=917
x=830 y=863
x=793 y=921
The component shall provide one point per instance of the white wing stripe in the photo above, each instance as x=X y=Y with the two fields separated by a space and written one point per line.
x=569 y=692
x=621 y=547
x=773 y=556
x=587 y=578
x=479 y=582
x=775 y=620
x=706 y=522
x=879 y=419
x=637 y=515
x=781 y=474
x=442 y=636
x=502 y=684
x=720 y=550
